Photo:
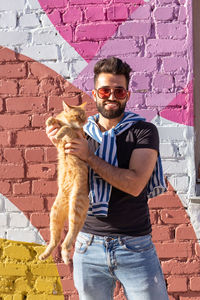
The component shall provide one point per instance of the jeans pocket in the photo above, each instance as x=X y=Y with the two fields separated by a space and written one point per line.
x=137 y=244
x=82 y=243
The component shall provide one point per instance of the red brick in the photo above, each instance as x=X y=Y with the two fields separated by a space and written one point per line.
x=189 y=297
x=197 y=249
x=34 y=155
x=174 y=250
x=32 y=138
x=165 y=201
x=5 y=138
x=4 y=187
x=67 y=284
x=28 y=87
x=195 y=284
x=28 y=203
x=8 y=87
x=45 y=232
x=1 y=104
x=39 y=120
x=63 y=270
x=76 y=297
x=7 y=54
x=21 y=104
x=40 y=71
x=50 y=201
x=184 y=232
x=161 y=233
x=9 y=171
x=14 y=121
x=40 y=219
x=45 y=187
x=13 y=155
x=41 y=170
x=170 y=216
x=22 y=188
x=55 y=103
x=177 y=284
x=13 y=70
x=174 y=266
x=51 y=154
x=153 y=217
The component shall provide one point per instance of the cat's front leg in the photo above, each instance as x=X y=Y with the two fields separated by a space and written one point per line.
x=52 y=121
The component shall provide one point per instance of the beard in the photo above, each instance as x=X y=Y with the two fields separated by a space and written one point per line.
x=111 y=113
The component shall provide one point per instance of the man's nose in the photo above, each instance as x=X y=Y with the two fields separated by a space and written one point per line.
x=112 y=96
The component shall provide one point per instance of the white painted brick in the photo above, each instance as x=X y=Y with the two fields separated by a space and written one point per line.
x=33 y=4
x=44 y=52
x=174 y=167
x=45 y=21
x=18 y=220
x=194 y=213
x=167 y=150
x=13 y=38
x=68 y=53
x=29 y=21
x=3 y=219
x=77 y=67
x=2 y=234
x=10 y=207
x=22 y=235
x=8 y=19
x=12 y=5
x=2 y=200
x=180 y=183
x=171 y=133
x=61 y=68
x=46 y=36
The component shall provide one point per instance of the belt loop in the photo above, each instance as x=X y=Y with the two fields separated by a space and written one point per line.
x=90 y=240
x=120 y=240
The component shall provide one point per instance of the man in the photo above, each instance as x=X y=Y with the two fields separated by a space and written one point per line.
x=121 y=151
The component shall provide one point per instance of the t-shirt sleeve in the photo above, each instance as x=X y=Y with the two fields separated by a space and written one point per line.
x=146 y=135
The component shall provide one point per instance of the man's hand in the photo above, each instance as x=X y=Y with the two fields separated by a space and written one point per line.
x=51 y=132
x=79 y=147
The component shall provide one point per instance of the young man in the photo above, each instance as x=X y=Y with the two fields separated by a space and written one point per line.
x=122 y=151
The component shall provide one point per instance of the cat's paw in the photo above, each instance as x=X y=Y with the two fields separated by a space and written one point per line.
x=51 y=121
x=65 y=256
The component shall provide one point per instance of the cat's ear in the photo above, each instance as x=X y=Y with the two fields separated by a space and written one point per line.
x=66 y=107
x=83 y=105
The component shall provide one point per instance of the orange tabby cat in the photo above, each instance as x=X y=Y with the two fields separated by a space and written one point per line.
x=72 y=199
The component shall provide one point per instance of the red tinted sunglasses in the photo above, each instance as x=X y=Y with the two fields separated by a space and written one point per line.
x=120 y=93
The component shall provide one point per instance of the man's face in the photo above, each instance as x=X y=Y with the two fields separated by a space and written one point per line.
x=111 y=107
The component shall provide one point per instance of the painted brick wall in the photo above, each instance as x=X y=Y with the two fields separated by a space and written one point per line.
x=48 y=50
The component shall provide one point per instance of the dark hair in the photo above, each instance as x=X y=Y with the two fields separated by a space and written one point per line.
x=112 y=65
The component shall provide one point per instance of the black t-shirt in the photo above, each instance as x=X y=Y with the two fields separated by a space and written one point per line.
x=127 y=215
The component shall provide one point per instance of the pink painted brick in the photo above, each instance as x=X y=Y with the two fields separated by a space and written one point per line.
x=129 y=29
x=136 y=100
x=163 y=82
x=165 y=2
x=140 y=82
x=94 y=13
x=65 y=31
x=175 y=64
x=100 y=31
x=51 y=3
x=117 y=12
x=55 y=17
x=72 y=15
x=160 y=99
x=128 y=1
x=143 y=12
x=180 y=81
x=182 y=14
x=142 y=63
x=86 y=48
x=85 y=2
x=164 y=14
x=120 y=47
x=171 y=30
x=165 y=46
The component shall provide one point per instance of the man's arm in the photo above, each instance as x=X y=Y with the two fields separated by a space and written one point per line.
x=132 y=180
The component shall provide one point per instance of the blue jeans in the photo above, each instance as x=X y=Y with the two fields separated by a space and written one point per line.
x=100 y=261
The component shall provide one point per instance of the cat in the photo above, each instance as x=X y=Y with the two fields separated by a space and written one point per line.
x=72 y=200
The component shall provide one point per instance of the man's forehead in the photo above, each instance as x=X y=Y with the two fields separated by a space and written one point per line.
x=107 y=79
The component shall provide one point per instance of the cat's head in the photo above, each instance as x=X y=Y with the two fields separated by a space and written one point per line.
x=74 y=115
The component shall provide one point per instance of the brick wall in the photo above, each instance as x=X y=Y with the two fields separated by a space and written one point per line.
x=48 y=52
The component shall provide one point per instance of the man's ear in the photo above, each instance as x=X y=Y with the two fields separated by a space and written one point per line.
x=128 y=95
x=94 y=94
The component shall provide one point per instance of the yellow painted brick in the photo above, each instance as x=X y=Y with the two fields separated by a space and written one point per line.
x=39 y=250
x=44 y=269
x=19 y=252
x=37 y=297
x=8 y=297
x=55 y=297
x=45 y=285
x=22 y=285
x=18 y=296
x=10 y=269
x=6 y=285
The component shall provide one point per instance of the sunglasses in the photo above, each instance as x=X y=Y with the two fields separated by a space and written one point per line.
x=120 y=93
